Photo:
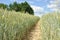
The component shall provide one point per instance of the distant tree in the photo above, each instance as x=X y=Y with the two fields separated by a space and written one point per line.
x=13 y=6
x=23 y=7
x=3 y=6
x=26 y=8
x=29 y=10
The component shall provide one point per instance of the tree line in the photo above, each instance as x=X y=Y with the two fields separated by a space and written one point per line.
x=18 y=7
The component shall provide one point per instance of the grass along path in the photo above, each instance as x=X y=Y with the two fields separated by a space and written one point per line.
x=34 y=34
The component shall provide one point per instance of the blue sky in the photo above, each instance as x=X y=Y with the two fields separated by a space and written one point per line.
x=39 y=6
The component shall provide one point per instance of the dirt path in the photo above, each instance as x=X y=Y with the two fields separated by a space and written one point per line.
x=34 y=34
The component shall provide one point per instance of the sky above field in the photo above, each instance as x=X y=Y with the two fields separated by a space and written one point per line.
x=40 y=7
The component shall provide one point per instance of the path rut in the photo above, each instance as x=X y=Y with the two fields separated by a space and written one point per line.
x=34 y=34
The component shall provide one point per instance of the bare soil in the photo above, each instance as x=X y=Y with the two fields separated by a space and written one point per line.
x=34 y=34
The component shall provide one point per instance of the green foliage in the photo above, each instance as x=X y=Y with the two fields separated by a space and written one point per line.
x=23 y=7
x=50 y=26
x=18 y=7
x=4 y=6
x=14 y=6
x=28 y=10
x=14 y=25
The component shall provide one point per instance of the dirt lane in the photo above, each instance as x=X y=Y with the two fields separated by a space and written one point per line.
x=34 y=34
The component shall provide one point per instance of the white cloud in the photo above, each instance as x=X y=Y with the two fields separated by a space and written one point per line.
x=51 y=6
x=51 y=2
x=54 y=5
x=37 y=10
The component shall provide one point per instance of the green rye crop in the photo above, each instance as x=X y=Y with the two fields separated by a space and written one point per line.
x=14 y=25
x=50 y=26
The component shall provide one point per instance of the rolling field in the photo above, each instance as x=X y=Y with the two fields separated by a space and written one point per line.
x=50 y=26
x=14 y=25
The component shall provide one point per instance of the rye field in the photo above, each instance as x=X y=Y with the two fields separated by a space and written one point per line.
x=14 y=25
x=50 y=26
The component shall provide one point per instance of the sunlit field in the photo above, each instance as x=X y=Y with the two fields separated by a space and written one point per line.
x=50 y=26
x=29 y=19
x=14 y=25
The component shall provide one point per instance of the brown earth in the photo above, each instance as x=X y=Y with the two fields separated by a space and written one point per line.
x=34 y=34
